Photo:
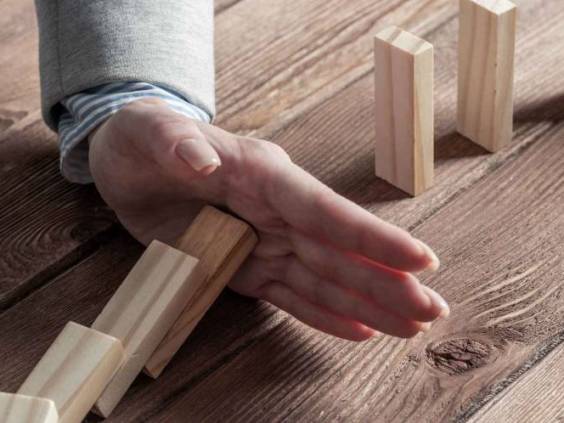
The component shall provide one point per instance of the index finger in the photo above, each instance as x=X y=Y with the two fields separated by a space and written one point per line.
x=314 y=209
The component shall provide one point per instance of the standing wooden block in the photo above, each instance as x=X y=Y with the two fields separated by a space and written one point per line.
x=142 y=311
x=74 y=371
x=222 y=243
x=404 y=110
x=16 y=408
x=486 y=49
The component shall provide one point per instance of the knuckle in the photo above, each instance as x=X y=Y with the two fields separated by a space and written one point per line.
x=160 y=128
x=173 y=127
x=277 y=151
x=265 y=148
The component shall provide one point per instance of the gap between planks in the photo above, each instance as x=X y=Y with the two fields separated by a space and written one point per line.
x=491 y=400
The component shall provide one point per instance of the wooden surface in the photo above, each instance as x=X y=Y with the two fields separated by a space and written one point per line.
x=74 y=371
x=143 y=309
x=21 y=408
x=302 y=75
x=221 y=243
x=404 y=115
x=538 y=396
x=486 y=59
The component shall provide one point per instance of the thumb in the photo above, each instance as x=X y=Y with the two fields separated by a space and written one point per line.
x=198 y=153
x=175 y=140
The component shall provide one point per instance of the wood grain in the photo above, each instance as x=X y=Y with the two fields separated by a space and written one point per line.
x=486 y=71
x=49 y=224
x=22 y=408
x=143 y=309
x=75 y=370
x=221 y=243
x=307 y=53
x=536 y=397
x=404 y=114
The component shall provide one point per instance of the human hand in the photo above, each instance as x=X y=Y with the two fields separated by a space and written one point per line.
x=320 y=257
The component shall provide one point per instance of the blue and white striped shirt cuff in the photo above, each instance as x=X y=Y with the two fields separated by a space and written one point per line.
x=89 y=108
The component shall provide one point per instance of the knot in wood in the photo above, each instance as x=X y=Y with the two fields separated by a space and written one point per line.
x=457 y=356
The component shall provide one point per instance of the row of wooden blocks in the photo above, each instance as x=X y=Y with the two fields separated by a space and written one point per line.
x=142 y=326
x=404 y=92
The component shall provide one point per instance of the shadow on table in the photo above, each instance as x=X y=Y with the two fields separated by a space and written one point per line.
x=356 y=179
x=546 y=109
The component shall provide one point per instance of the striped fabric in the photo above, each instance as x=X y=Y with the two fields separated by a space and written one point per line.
x=87 y=109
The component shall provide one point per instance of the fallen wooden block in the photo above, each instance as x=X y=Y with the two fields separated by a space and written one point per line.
x=74 y=371
x=404 y=150
x=16 y=408
x=142 y=310
x=222 y=243
x=486 y=50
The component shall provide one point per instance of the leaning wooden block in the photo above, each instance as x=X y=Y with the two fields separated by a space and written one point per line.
x=486 y=49
x=403 y=67
x=222 y=243
x=142 y=310
x=16 y=408
x=74 y=371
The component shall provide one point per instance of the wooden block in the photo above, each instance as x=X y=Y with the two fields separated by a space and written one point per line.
x=403 y=68
x=222 y=243
x=16 y=408
x=486 y=49
x=142 y=311
x=74 y=371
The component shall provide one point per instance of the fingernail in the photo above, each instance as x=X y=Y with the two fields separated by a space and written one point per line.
x=434 y=262
x=425 y=327
x=199 y=155
x=438 y=302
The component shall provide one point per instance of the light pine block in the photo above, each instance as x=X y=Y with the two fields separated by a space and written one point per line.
x=143 y=309
x=16 y=408
x=404 y=150
x=74 y=371
x=486 y=50
x=222 y=243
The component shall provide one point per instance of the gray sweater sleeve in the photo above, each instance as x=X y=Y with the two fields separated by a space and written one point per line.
x=86 y=43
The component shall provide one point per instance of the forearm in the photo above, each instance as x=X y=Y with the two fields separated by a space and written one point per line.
x=85 y=43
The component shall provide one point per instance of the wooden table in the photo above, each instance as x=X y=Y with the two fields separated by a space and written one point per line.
x=300 y=73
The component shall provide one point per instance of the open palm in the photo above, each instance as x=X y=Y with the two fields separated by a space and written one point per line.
x=320 y=257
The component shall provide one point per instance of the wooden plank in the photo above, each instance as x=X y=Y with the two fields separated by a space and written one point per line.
x=502 y=259
x=221 y=243
x=403 y=69
x=53 y=224
x=307 y=53
x=49 y=224
x=143 y=309
x=75 y=370
x=21 y=408
x=536 y=397
x=485 y=71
